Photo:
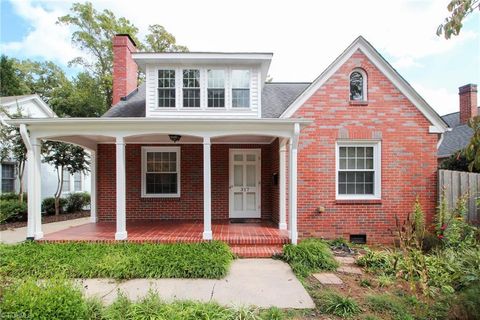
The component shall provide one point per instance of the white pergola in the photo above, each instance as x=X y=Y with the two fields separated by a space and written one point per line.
x=89 y=132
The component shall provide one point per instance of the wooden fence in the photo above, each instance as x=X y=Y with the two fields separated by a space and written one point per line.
x=456 y=184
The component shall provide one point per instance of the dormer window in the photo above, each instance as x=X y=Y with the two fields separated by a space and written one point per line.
x=166 y=88
x=240 y=89
x=191 y=88
x=358 y=85
x=216 y=88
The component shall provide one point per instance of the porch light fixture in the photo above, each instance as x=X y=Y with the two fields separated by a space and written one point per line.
x=175 y=137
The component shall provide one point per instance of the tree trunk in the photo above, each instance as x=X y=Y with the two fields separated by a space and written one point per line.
x=21 y=170
x=59 y=190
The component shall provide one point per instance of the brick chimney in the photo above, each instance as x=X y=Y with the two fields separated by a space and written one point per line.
x=124 y=67
x=468 y=102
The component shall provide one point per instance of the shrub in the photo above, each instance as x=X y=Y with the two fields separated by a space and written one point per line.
x=8 y=196
x=75 y=202
x=120 y=260
x=53 y=299
x=342 y=306
x=309 y=256
x=466 y=305
x=11 y=210
x=378 y=261
x=385 y=280
x=48 y=205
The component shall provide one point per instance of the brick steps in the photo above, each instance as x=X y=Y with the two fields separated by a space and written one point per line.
x=256 y=251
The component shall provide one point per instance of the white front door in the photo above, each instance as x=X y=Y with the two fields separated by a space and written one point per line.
x=245 y=183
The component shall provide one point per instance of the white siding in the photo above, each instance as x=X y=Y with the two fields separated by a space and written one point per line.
x=152 y=110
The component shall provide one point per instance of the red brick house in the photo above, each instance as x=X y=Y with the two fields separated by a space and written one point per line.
x=206 y=139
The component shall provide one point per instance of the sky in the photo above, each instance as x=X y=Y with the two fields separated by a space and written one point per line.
x=305 y=36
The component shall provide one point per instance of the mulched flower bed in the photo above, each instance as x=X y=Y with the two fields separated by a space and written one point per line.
x=46 y=219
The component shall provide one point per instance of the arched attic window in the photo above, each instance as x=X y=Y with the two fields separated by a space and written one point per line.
x=358 y=85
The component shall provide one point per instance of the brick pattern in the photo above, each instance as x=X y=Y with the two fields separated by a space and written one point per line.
x=249 y=240
x=124 y=68
x=190 y=203
x=468 y=102
x=409 y=167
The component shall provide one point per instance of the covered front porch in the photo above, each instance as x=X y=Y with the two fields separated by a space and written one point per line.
x=123 y=209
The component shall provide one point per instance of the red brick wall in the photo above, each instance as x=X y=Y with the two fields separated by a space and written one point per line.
x=409 y=164
x=124 y=68
x=468 y=102
x=190 y=203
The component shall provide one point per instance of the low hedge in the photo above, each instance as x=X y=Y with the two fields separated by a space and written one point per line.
x=119 y=260
x=77 y=201
x=48 y=205
x=12 y=210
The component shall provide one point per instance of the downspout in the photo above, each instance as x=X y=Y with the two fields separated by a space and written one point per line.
x=31 y=202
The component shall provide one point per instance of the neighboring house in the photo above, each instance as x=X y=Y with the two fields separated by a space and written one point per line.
x=460 y=134
x=33 y=107
x=206 y=138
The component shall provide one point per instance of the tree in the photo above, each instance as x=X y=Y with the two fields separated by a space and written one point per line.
x=64 y=157
x=82 y=97
x=459 y=9
x=42 y=78
x=13 y=148
x=472 y=151
x=10 y=82
x=160 y=40
x=93 y=34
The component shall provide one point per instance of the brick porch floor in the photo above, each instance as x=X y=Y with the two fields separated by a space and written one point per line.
x=246 y=239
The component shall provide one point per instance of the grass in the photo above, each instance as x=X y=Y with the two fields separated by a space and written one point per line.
x=60 y=299
x=120 y=261
x=310 y=255
x=337 y=304
x=389 y=305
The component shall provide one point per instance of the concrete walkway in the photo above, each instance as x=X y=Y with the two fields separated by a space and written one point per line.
x=251 y=282
x=17 y=235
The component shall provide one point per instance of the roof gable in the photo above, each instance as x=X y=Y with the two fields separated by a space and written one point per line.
x=11 y=101
x=383 y=66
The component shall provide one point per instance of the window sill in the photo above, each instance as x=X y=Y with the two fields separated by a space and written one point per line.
x=358 y=103
x=161 y=196
x=358 y=201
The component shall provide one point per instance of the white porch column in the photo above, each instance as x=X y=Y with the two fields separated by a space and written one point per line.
x=37 y=194
x=207 y=190
x=121 y=233
x=31 y=195
x=93 y=185
x=293 y=184
x=282 y=224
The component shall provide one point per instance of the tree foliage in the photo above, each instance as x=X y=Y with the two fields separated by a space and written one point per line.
x=160 y=40
x=458 y=9
x=10 y=82
x=472 y=151
x=64 y=157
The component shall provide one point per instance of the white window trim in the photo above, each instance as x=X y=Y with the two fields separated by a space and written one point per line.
x=365 y=84
x=145 y=150
x=177 y=104
x=377 y=166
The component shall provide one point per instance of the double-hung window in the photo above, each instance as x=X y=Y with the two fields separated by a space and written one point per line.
x=191 y=88
x=66 y=181
x=216 y=88
x=358 y=170
x=8 y=177
x=161 y=171
x=77 y=181
x=240 y=89
x=166 y=88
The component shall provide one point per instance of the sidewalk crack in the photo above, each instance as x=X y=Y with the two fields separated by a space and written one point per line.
x=213 y=291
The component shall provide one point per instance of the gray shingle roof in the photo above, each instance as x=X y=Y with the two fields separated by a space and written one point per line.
x=276 y=97
x=456 y=139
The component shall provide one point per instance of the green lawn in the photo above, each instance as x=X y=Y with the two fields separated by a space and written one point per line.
x=120 y=261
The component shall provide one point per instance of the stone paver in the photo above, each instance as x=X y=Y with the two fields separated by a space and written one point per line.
x=351 y=270
x=328 y=278
x=17 y=235
x=345 y=260
x=257 y=282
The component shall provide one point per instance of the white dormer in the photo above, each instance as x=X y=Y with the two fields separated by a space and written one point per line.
x=216 y=85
